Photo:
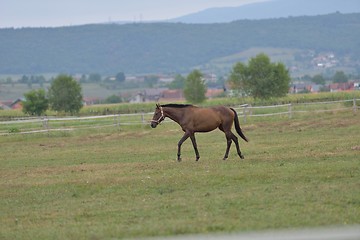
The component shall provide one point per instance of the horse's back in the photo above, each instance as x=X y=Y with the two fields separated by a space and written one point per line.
x=208 y=119
x=224 y=111
x=216 y=113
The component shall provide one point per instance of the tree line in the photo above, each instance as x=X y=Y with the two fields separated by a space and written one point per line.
x=260 y=78
x=64 y=95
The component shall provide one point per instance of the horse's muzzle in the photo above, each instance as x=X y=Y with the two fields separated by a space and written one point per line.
x=153 y=124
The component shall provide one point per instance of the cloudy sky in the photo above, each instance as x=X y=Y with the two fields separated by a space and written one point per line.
x=53 y=13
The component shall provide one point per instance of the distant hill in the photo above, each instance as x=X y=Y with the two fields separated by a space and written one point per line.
x=168 y=47
x=271 y=9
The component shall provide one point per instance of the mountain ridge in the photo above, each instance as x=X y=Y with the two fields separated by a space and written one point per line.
x=270 y=9
x=167 y=47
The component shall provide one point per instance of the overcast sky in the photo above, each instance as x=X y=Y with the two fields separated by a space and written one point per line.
x=53 y=13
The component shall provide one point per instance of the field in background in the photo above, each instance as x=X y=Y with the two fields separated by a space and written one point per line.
x=124 y=182
x=103 y=109
x=94 y=90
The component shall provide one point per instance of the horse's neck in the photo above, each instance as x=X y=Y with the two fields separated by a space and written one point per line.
x=175 y=114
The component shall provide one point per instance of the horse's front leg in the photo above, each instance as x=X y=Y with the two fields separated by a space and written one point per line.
x=186 y=135
x=193 y=140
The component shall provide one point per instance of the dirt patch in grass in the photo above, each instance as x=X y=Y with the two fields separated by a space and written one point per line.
x=356 y=148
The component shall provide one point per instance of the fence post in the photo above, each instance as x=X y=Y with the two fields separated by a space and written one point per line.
x=290 y=110
x=244 y=112
x=354 y=106
x=46 y=124
x=118 y=120
x=142 y=118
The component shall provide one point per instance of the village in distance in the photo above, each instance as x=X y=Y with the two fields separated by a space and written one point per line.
x=328 y=74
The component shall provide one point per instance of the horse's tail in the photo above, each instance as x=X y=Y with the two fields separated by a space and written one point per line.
x=237 y=126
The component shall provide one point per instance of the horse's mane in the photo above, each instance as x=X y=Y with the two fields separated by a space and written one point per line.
x=173 y=105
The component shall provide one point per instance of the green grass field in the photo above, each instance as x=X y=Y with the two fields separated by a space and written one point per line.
x=113 y=184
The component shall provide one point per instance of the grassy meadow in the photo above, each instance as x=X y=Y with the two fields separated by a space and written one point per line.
x=125 y=183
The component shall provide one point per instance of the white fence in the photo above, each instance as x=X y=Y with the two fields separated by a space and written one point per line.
x=50 y=124
x=291 y=109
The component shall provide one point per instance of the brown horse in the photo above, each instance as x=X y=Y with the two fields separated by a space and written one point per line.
x=194 y=119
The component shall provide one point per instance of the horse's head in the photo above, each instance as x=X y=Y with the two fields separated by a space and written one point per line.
x=158 y=116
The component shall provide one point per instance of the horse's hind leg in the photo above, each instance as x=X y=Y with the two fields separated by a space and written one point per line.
x=235 y=139
x=231 y=137
x=228 y=141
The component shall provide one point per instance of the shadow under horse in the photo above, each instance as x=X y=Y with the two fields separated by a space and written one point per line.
x=194 y=119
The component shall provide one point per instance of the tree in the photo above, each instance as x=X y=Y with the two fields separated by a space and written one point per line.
x=261 y=78
x=195 y=88
x=340 y=77
x=113 y=99
x=24 y=79
x=94 y=77
x=238 y=77
x=151 y=80
x=35 y=102
x=65 y=95
x=120 y=77
x=318 y=79
x=306 y=77
x=178 y=82
x=83 y=78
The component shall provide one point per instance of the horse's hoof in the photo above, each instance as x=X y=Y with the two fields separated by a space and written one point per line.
x=197 y=159
x=179 y=159
x=224 y=158
x=242 y=156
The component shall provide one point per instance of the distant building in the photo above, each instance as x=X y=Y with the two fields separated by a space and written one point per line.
x=333 y=87
x=4 y=106
x=357 y=85
x=338 y=87
x=172 y=95
x=17 y=104
x=214 y=92
x=148 y=95
x=325 y=60
x=90 y=100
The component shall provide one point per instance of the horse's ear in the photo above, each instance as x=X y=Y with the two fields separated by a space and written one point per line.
x=157 y=105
